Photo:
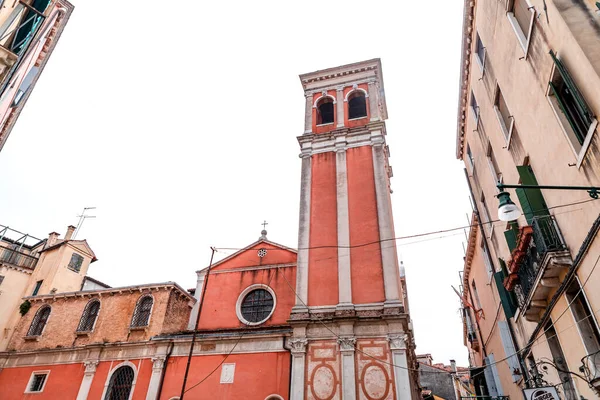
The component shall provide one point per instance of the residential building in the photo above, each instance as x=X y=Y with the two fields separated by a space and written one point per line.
x=29 y=31
x=529 y=95
x=439 y=381
x=31 y=267
x=327 y=321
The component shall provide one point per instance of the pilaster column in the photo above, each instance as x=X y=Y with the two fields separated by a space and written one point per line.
x=401 y=373
x=308 y=113
x=88 y=377
x=340 y=106
x=347 y=347
x=197 y=295
x=386 y=228
x=158 y=363
x=298 y=350
x=343 y=226
x=303 y=234
x=373 y=106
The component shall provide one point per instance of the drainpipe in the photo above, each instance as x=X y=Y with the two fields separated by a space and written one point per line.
x=164 y=371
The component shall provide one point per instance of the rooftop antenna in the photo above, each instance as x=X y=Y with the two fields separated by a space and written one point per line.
x=82 y=218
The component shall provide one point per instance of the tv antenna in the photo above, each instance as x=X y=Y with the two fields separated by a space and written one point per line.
x=82 y=218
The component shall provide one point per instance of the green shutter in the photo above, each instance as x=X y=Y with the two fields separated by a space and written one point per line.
x=505 y=299
x=582 y=107
x=511 y=239
x=532 y=200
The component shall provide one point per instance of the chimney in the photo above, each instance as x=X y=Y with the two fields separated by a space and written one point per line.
x=52 y=238
x=70 y=230
x=453 y=365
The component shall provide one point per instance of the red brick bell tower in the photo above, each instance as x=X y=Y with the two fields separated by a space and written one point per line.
x=352 y=334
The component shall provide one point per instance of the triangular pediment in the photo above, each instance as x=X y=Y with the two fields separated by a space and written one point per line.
x=249 y=256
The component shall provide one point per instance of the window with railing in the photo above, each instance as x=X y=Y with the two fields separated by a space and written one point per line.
x=39 y=321
x=143 y=309
x=12 y=255
x=89 y=316
x=22 y=24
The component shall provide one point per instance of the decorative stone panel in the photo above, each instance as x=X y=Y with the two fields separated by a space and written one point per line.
x=374 y=375
x=323 y=371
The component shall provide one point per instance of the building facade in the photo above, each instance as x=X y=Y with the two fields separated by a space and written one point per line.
x=528 y=101
x=29 y=31
x=328 y=321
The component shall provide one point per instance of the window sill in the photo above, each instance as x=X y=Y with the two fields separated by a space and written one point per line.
x=83 y=333
x=356 y=119
x=506 y=131
x=327 y=124
x=32 y=338
x=73 y=270
x=138 y=328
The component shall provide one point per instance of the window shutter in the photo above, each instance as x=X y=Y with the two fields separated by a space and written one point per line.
x=509 y=350
x=489 y=376
x=523 y=15
x=507 y=304
x=511 y=239
x=532 y=200
x=584 y=110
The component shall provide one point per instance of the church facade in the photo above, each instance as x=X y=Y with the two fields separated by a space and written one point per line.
x=326 y=321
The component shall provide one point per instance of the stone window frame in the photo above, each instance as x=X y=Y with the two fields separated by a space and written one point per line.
x=73 y=266
x=506 y=130
x=135 y=311
x=564 y=123
x=273 y=397
x=86 y=314
x=34 y=373
x=523 y=38
x=324 y=96
x=113 y=370
x=242 y=296
x=36 y=321
x=347 y=108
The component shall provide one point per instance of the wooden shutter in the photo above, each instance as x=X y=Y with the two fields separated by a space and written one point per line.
x=505 y=299
x=523 y=15
x=531 y=200
x=509 y=350
x=511 y=239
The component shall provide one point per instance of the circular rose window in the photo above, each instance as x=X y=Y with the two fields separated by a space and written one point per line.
x=256 y=306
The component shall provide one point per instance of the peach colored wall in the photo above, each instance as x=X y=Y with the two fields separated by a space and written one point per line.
x=257 y=375
x=11 y=293
x=63 y=382
x=322 y=263
x=112 y=324
x=365 y=266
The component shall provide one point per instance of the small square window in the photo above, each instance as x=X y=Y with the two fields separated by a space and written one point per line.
x=75 y=263
x=37 y=382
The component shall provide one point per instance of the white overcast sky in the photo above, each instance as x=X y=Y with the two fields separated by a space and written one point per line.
x=179 y=122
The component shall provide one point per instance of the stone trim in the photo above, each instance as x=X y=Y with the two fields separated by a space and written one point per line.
x=256 y=268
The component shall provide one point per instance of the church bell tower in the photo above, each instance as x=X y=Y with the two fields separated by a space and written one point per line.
x=352 y=336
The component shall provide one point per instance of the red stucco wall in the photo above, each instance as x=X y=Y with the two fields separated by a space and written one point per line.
x=62 y=383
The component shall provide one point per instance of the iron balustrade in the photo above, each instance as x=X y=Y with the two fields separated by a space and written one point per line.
x=546 y=238
x=22 y=33
x=17 y=258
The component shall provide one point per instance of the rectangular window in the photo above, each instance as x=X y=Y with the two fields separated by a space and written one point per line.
x=521 y=15
x=508 y=299
x=586 y=323
x=479 y=52
x=470 y=159
x=75 y=263
x=531 y=200
x=494 y=170
x=474 y=108
x=505 y=118
x=476 y=296
x=509 y=350
x=487 y=261
x=570 y=108
x=37 y=382
x=36 y=289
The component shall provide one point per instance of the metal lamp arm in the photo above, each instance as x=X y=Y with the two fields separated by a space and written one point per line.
x=593 y=191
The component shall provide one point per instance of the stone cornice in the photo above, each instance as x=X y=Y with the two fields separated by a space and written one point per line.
x=372 y=134
x=16 y=268
x=343 y=70
x=465 y=72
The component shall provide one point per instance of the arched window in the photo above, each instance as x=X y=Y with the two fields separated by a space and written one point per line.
x=39 y=321
x=119 y=387
x=325 y=111
x=89 y=316
x=141 y=315
x=357 y=105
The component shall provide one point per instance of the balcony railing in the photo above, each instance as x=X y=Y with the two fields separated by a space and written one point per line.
x=540 y=266
x=591 y=368
x=17 y=258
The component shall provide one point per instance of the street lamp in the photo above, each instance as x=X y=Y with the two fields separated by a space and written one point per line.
x=508 y=211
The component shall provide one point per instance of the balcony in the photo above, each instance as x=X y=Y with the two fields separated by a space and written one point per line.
x=16 y=258
x=591 y=369
x=536 y=264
